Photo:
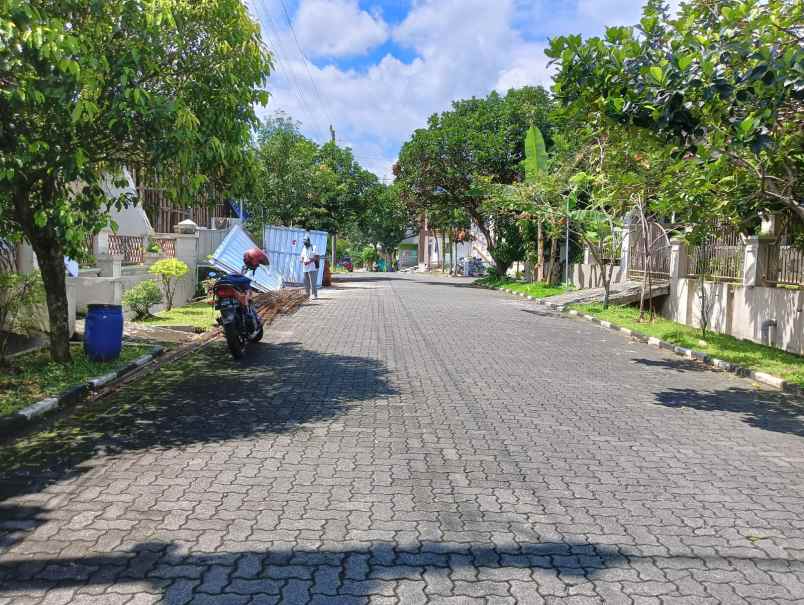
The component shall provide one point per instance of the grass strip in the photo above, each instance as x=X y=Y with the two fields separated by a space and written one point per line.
x=751 y=355
x=33 y=376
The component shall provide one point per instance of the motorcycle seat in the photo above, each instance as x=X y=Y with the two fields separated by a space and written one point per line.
x=240 y=282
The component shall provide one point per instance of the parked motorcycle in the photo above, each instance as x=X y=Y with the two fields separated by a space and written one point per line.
x=234 y=298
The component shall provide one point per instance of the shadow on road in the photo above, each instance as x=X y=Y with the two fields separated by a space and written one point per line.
x=204 y=398
x=767 y=410
x=677 y=365
x=356 y=569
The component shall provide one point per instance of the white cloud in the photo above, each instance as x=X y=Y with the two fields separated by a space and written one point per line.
x=461 y=48
x=338 y=28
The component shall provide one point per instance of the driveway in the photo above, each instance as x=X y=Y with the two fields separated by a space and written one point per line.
x=414 y=440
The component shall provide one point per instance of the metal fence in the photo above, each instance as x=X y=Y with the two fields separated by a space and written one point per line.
x=784 y=265
x=129 y=247
x=720 y=257
x=649 y=252
x=167 y=245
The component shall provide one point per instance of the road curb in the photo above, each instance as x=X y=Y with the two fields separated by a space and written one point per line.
x=699 y=356
x=20 y=420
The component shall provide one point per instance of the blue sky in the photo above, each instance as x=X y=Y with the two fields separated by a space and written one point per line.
x=377 y=69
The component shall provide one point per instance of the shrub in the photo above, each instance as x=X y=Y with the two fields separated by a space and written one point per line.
x=169 y=270
x=153 y=247
x=142 y=297
x=19 y=294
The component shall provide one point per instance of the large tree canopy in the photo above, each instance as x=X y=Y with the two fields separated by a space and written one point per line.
x=446 y=165
x=723 y=83
x=91 y=87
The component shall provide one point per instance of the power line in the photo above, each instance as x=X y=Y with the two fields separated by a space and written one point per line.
x=304 y=59
x=290 y=76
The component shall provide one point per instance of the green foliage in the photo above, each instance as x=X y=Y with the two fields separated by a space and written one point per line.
x=734 y=350
x=142 y=297
x=200 y=315
x=153 y=247
x=36 y=377
x=169 y=270
x=368 y=256
x=449 y=165
x=20 y=294
x=89 y=88
x=384 y=219
x=536 y=159
x=722 y=86
x=302 y=183
x=536 y=290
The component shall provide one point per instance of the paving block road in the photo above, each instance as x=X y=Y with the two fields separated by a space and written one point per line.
x=411 y=440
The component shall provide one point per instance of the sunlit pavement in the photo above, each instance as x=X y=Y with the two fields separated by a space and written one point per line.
x=412 y=439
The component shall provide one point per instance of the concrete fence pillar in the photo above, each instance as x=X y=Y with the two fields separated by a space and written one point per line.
x=187 y=248
x=679 y=260
x=678 y=299
x=101 y=243
x=110 y=265
x=26 y=259
x=756 y=260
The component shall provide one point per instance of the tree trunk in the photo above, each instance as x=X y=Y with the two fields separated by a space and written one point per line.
x=540 y=252
x=552 y=261
x=50 y=257
x=334 y=250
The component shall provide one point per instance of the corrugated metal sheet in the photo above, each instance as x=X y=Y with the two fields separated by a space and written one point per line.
x=229 y=257
x=284 y=245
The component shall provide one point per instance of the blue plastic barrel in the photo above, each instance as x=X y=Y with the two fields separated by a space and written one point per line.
x=103 y=332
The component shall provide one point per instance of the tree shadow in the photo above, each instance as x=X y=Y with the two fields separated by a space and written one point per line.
x=346 y=573
x=677 y=365
x=450 y=284
x=767 y=410
x=17 y=522
x=206 y=397
x=361 y=277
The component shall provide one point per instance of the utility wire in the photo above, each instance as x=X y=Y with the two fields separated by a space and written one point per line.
x=283 y=63
x=306 y=62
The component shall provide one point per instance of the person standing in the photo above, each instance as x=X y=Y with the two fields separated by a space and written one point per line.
x=310 y=260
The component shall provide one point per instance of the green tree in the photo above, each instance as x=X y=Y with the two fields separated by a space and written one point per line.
x=91 y=87
x=723 y=84
x=169 y=271
x=286 y=164
x=385 y=218
x=448 y=164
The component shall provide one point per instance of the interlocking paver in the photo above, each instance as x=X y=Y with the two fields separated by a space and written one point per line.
x=412 y=440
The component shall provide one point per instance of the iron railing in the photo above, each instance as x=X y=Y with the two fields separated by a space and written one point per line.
x=720 y=257
x=167 y=245
x=649 y=252
x=784 y=265
x=128 y=246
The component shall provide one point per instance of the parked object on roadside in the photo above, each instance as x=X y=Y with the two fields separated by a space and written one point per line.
x=233 y=297
x=472 y=267
x=346 y=263
x=285 y=244
x=103 y=332
x=228 y=257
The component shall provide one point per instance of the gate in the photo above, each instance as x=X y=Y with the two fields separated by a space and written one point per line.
x=649 y=252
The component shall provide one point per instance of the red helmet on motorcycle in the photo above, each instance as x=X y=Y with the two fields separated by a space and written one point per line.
x=255 y=257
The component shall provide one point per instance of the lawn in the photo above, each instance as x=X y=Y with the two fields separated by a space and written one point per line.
x=34 y=376
x=751 y=355
x=198 y=315
x=536 y=290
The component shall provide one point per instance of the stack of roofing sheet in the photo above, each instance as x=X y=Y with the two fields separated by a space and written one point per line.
x=284 y=245
x=229 y=257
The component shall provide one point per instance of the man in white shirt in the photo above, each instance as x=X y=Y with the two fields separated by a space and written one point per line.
x=309 y=260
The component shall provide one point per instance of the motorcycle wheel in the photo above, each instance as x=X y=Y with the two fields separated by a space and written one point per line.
x=258 y=336
x=236 y=343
